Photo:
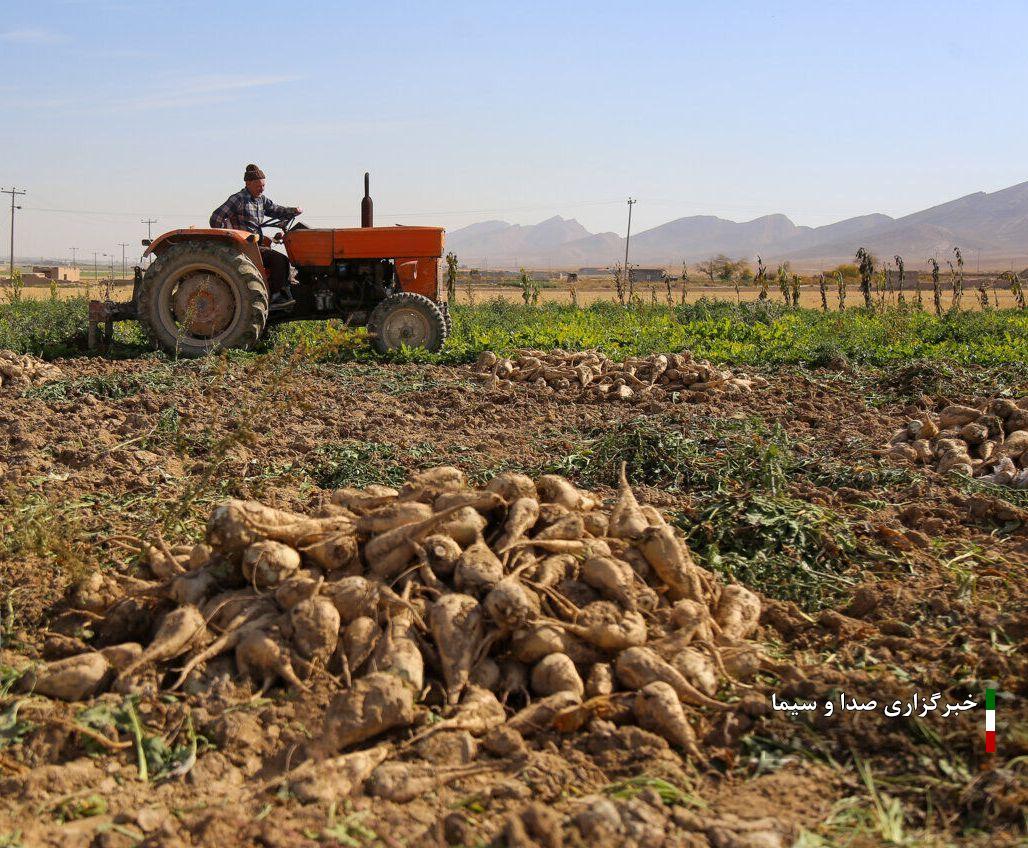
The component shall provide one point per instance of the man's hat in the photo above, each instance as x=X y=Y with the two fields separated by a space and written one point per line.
x=253 y=173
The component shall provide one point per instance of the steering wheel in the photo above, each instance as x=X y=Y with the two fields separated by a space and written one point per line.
x=283 y=224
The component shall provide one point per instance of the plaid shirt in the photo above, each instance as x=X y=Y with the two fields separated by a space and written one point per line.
x=243 y=211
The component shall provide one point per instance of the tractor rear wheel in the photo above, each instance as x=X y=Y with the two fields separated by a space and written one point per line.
x=202 y=296
x=407 y=319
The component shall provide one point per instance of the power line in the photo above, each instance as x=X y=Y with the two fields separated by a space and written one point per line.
x=388 y=213
x=13 y=192
x=123 y=244
x=148 y=222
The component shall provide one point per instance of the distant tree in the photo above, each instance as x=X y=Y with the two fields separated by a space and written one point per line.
x=823 y=288
x=709 y=268
x=795 y=290
x=899 y=278
x=723 y=268
x=847 y=269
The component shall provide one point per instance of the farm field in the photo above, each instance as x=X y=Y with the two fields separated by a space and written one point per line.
x=877 y=579
x=590 y=292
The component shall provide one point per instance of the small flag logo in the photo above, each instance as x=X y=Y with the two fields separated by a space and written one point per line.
x=990 y=721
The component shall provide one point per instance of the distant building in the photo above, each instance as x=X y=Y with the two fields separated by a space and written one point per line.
x=647 y=275
x=57 y=273
x=593 y=272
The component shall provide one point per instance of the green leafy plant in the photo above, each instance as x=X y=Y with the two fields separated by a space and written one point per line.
x=792 y=549
x=900 y=274
x=617 y=275
x=936 y=287
x=782 y=278
x=1018 y=291
x=957 y=278
x=356 y=463
x=761 y=280
x=15 y=286
x=527 y=286
x=451 y=277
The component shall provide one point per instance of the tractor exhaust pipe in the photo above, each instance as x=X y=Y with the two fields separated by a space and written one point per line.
x=367 y=208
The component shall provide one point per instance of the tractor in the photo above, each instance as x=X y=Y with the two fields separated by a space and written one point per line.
x=206 y=289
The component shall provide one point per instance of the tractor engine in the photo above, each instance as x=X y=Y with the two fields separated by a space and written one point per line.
x=348 y=283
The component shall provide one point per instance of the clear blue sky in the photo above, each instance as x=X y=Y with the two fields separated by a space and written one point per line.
x=469 y=111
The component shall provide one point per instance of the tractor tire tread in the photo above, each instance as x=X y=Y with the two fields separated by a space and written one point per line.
x=254 y=292
x=410 y=300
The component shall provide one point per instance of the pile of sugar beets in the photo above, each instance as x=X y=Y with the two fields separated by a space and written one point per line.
x=989 y=442
x=24 y=370
x=592 y=375
x=435 y=607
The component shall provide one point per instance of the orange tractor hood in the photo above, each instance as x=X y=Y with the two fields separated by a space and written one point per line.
x=323 y=247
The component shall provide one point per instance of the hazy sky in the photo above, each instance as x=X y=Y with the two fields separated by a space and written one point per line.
x=114 y=111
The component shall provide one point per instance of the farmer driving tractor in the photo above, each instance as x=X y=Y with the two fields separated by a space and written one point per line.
x=223 y=287
x=246 y=210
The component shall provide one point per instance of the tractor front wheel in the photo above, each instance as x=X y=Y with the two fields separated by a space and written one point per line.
x=407 y=319
x=202 y=296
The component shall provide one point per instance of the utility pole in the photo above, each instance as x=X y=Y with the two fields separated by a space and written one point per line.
x=73 y=251
x=148 y=222
x=628 y=236
x=13 y=192
x=96 y=276
x=124 y=271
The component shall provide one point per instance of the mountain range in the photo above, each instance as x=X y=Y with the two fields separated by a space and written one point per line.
x=991 y=228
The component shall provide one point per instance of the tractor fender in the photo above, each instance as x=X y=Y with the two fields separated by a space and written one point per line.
x=245 y=241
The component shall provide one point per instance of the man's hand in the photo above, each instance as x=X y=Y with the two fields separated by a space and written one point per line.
x=299 y=210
